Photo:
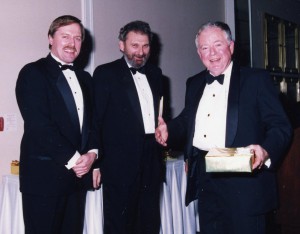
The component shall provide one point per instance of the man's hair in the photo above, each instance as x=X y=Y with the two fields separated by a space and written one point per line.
x=223 y=26
x=135 y=26
x=64 y=21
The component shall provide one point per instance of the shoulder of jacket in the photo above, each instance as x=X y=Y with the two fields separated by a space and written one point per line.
x=196 y=77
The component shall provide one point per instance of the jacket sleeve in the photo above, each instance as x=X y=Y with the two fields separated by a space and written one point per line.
x=278 y=131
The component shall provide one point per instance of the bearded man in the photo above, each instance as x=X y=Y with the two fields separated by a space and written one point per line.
x=127 y=96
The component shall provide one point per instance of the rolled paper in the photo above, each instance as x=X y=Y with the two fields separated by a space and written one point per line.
x=161 y=107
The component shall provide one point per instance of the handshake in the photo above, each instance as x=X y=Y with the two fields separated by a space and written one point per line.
x=161 y=132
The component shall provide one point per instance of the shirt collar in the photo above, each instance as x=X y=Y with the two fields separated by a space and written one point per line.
x=58 y=60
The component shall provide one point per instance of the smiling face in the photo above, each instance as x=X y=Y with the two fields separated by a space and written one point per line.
x=215 y=50
x=136 y=48
x=66 y=42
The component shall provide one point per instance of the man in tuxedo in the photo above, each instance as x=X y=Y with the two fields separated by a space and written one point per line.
x=57 y=149
x=238 y=109
x=127 y=95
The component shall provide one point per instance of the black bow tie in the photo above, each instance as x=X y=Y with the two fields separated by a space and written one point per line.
x=65 y=67
x=140 y=70
x=210 y=78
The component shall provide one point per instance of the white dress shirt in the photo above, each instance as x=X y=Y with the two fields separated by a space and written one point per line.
x=210 y=123
x=146 y=101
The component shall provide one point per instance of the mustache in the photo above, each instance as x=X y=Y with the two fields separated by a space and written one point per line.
x=70 y=48
x=140 y=56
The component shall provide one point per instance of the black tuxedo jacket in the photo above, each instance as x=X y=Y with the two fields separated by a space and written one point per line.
x=120 y=123
x=254 y=116
x=51 y=127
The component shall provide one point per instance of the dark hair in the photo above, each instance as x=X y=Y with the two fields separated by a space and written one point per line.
x=223 y=26
x=135 y=26
x=64 y=21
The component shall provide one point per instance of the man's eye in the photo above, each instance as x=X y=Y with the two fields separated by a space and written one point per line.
x=219 y=45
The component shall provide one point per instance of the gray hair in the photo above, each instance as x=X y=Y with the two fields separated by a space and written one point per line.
x=223 y=26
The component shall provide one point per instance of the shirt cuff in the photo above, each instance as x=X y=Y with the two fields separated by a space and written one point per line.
x=94 y=151
x=72 y=162
x=268 y=162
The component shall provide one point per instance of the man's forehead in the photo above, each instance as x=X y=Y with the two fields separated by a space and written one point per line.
x=136 y=34
x=69 y=27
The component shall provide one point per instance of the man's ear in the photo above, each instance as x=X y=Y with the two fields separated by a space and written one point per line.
x=121 y=46
x=50 y=39
x=231 y=46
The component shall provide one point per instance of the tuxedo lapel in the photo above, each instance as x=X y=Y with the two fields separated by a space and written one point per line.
x=86 y=112
x=58 y=80
x=67 y=95
x=192 y=108
x=232 y=107
x=196 y=91
x=129 y=86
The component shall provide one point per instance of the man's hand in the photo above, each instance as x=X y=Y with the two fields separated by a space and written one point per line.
x=96 y=178
x=161 y=132
x=84 y=163
x=260 y=156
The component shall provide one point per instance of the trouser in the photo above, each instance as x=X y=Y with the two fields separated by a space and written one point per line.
x=134 y=208
x=54 y=214
x=219 y=212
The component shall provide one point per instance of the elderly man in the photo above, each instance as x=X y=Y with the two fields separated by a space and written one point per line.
x=229 y=106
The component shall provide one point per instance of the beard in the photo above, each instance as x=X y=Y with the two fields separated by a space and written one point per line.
x=131 y=59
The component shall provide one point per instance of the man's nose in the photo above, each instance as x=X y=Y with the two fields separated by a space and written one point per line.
x=212 y=51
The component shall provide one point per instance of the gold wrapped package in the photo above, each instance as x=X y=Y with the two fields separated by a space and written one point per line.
x=14 y=167
x=229 y=160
